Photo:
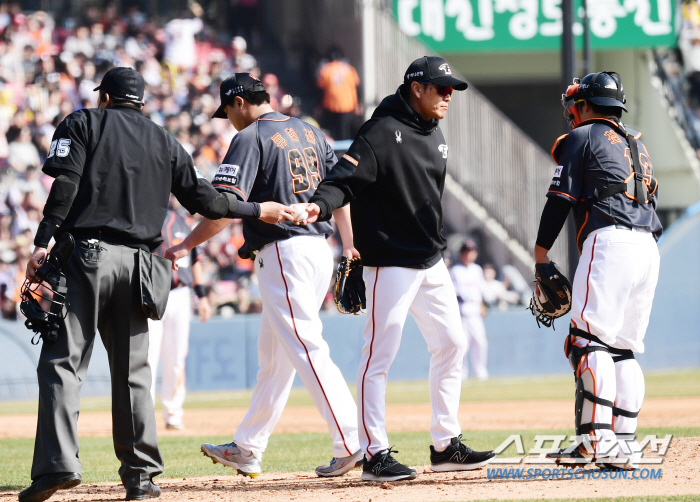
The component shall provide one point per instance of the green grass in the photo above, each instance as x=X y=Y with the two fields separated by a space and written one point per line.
x=285 y=453
x=658 y=384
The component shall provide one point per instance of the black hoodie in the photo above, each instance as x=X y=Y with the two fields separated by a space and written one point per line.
x=394 y=174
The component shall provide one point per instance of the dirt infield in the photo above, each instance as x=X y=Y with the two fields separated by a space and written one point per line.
x=497 y=416
x=679 y=469
x=680 y=477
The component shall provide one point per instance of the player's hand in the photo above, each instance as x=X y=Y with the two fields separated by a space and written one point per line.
x=541 y=256
x=273 y=212
x=314 y=213
x=351 y=252
x=175 y=253
x=36 y=261
x=204 y=309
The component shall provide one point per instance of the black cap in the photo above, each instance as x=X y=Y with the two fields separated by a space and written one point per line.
x=469 y=245
x=238 y=84
x=124 y=84
x=434 y=70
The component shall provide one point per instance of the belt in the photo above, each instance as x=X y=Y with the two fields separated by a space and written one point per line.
x=623 y=226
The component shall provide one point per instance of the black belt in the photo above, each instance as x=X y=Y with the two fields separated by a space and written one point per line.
x=622 y=226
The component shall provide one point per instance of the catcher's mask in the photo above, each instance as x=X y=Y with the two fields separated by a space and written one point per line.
x=43 y=299
x=603 y=88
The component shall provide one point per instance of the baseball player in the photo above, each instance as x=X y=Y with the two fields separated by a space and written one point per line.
x=114 y=170
x=169 y=336
x=394 y=174
x=468 y=280
x=605 y=174
x=275 y=157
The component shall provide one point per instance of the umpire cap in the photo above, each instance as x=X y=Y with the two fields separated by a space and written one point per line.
x=123 y=84
x=238 y=84
x=433 y=70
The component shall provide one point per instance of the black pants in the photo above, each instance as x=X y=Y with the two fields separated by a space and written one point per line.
x=103 y=294
x=340 y=125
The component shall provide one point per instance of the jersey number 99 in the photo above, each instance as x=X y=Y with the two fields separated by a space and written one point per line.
x=304 y=169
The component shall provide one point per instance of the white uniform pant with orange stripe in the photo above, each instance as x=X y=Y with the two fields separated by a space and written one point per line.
x=613 y=292
x=294 y=276
x=169 y=339
x=428 y=294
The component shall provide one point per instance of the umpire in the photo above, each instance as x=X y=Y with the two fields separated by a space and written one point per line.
x=114 y=170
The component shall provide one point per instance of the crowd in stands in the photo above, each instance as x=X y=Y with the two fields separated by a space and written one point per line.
x=680 y=70
x=48 y=69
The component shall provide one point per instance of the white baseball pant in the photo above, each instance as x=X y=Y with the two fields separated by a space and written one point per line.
x=477 y=346
x=393 y=292
x=294 y=276
x=169 y=339
x=613 y=291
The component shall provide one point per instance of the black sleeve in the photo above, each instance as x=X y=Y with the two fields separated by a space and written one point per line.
x=552 y=221
x=353 y=172
x=190 y=188
x=58 y=204
x=68 y=149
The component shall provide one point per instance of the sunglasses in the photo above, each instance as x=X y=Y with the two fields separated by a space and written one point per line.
x=442 y=90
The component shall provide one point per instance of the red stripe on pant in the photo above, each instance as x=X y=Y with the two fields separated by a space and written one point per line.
x=289 y=302
x=371 y=344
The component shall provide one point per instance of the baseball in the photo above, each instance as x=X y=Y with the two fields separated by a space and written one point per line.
x=300 y=214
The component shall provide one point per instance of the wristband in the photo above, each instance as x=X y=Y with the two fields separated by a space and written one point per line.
x=44 y=233
x=200 y=290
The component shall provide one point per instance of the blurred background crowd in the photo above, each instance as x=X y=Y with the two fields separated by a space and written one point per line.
x=49 y=68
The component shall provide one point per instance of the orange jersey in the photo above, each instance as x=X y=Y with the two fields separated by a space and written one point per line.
x=339 y=82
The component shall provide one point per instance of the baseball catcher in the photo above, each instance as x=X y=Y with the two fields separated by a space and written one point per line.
x=552 y=296
x=349 y=289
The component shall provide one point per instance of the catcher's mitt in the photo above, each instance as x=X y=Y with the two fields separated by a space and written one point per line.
x=349 y=289
x=554 y=298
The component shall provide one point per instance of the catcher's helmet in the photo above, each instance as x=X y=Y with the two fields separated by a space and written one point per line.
x=603 y=88
x=43 y=298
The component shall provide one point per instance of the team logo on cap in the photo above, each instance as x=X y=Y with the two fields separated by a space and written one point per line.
x=446 y=68
x=443 y=150
x=398 y=136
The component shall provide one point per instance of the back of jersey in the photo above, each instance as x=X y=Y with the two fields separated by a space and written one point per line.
x=280 y=159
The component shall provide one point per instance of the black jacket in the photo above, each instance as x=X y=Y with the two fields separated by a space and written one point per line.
x=394 y=174
x=127 y=166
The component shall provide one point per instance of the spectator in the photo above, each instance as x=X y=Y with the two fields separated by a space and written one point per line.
x=495 y=292
x=180 y=32
x=242 y=61
x=338 y=80
x=468 y=280
x=22 y=152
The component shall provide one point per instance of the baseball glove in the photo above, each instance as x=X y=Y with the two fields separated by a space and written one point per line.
x=349 y=289
x=554 y=298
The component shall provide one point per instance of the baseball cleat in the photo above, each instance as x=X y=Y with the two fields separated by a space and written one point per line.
x=568 y=457
x=340 y=466
x=231 y=455
x=384 y=467
x=458 y=457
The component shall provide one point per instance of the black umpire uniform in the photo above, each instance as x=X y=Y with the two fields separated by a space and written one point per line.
x=114 y=171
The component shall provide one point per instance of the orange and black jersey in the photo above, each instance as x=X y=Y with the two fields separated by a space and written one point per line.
x=592 y=157
x=276 y=158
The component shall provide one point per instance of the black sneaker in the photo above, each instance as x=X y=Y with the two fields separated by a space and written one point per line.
x=383 y=467
x=458 y=457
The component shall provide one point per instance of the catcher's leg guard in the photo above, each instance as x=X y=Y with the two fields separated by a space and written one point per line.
x=595 y=391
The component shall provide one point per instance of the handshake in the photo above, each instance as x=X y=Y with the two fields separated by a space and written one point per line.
x=299 y=214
